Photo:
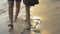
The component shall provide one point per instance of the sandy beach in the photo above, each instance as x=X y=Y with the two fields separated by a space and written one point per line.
x=48 y=12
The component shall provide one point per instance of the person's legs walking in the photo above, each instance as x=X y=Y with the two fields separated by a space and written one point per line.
x=28 y=17
x=11 y=5
x=17 y=8
x=27 y=6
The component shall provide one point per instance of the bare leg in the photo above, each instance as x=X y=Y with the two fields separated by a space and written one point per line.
x=11 y=5
x=17 y=9
x=28 y=16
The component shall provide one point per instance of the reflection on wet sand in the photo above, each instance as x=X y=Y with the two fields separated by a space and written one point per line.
x=18 y=26
x=50 y=16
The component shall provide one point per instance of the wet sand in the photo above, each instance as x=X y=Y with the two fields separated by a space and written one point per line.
x=49 y=13
x=18 y=26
